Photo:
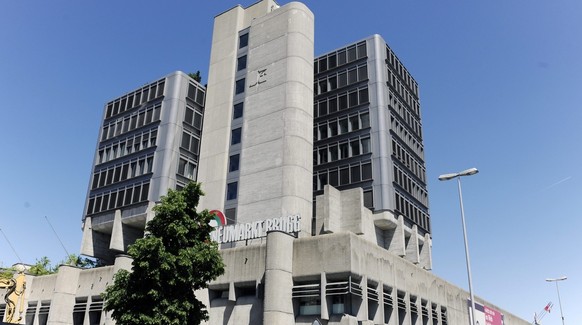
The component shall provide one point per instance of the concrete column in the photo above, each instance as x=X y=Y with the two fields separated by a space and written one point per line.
x=116 y=242
x=412 y=252
x=323 y=295
x=87 y=240
x=278 y=304
x=380 y=312
x=397 y=241
x=63 y=301
x=363 y=311
x=426 y=253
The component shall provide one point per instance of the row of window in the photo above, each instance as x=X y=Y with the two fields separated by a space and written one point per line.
x=406 y=137
x=34 y=310
x=399 y=68
x=128 y=146
x=341 y=125
x=408 y=160
x=341 y=79
x=343 y=175
x=118 y=198
x=341 y=101
x=412 y=211
x=95 y=310
x=196 y=93
x=404 y=93
x=136 y=98
x=187 y=168
x=343 y=150
x=340 y=57
x=341 y=293
x=416 y=190
x=119 y=173
x=190 y=142
x=411 y=120
x=134 y=121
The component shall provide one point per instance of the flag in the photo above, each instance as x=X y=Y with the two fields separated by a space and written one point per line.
x=548 y=307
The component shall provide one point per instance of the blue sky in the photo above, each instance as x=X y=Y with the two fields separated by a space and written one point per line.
x=500 y=90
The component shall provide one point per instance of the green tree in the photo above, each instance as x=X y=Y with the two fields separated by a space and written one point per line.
x=42 y=267
x=196 y=76
x=175 y=258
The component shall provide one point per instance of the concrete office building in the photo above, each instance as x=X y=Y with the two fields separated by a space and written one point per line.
x=368 y=130
x=356 y=256
x=255 y=158
x=148 y=142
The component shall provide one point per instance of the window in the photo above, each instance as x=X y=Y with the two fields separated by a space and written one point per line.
x=240 y=86
x=344 y=176
x=366 y=171
x=344 y=150
x=243 y=40
x=365 y=118
x=343 y=125
x=241 y=63
x=235 y=136
x=234 y=163
x=322 y=131
x=238 y=111
x=232 y=191
x=366 y=145
x=368 y=199
x=230 y=215
x=333 y=128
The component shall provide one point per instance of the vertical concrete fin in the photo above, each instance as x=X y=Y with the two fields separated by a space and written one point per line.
x=412 y=251
x=231 y=292
x=87 y=241
x=397 y=245
x=426 y=253
x=116 y=242
x=63 y=298
x=323 y=297
x=328 y=211
x=363 y=311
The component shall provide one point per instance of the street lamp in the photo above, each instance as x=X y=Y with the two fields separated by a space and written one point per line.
x=446 y=177
x=558 y=290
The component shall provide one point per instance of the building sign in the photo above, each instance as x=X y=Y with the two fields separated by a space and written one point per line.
x=485 y=315
x=256 y=229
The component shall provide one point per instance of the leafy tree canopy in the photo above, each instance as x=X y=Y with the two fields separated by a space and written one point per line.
x=175 y=258
x=196 y=76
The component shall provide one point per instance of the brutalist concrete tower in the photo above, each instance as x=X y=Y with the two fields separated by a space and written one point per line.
x=255 y=158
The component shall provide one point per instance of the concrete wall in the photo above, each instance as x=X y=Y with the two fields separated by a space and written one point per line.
x=214 y=149
x=276 y=159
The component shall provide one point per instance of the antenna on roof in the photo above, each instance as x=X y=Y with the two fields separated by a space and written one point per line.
x=10 y=244
x=59 y=238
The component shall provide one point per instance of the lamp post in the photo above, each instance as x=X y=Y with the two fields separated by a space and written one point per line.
x=446 y=177
x=556 y=280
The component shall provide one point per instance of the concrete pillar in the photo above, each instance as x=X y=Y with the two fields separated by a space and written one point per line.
x=397 y=242
x=412 y=254
x=426 y=253
x=116 y=242
x=323 y=295
x=278 y=304
x=363 y=311
x=63 y=301
x=380 y=313
x=87 y=240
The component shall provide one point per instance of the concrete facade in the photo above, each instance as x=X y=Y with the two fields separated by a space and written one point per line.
x=361 y=253
x=276 y=44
